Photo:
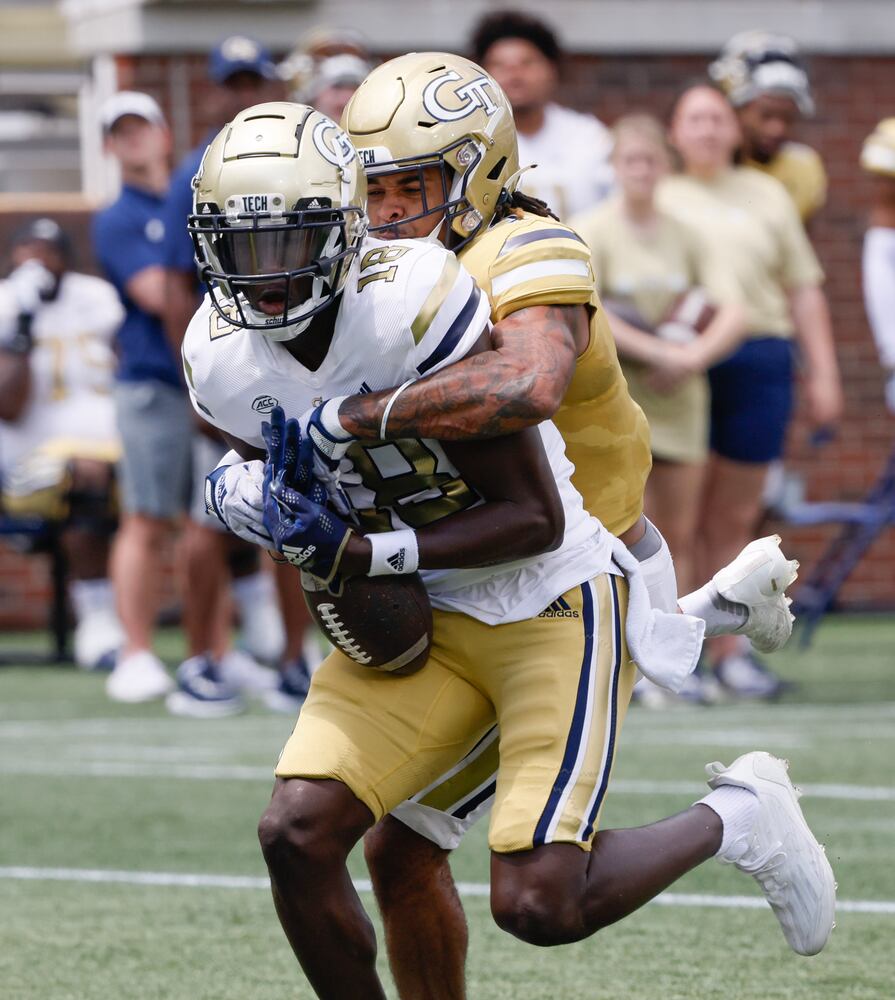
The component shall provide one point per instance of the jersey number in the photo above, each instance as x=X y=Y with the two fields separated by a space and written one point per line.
x=402 y=475
x=376 y=258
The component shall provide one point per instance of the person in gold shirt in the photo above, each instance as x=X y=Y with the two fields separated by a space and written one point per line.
x=646 y=263
x=435 y=135
x=750 y=227
x=766 y=82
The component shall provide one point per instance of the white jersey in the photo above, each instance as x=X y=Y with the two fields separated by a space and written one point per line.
x=572 y=152
x=71 y=366
x=408 y=309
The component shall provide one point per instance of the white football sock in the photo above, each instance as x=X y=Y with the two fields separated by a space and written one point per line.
x=721 y=617
x=737 y=808
x=91 y=596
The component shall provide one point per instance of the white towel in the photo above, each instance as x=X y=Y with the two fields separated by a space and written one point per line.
x=664 y=646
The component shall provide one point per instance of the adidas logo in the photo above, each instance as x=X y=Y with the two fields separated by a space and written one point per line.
x=364 y=389
x=560 y=608
x=397 y=561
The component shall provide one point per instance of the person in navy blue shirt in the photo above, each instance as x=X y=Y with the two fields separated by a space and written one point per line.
x=151 y=404
x=209 y=681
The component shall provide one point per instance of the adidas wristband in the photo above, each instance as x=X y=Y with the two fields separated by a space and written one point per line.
x=394 y=553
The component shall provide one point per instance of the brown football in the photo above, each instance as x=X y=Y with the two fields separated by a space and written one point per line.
x=380 y=622
x=688 y=316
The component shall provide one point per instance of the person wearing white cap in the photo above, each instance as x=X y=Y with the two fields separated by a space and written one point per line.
x=151 y=405
x=210 y=679
x=878 y=263
x=765 y=80
x=333 y=82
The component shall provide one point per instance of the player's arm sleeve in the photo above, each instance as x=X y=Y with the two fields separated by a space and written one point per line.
x=446 y=310
x=878 y=273
x=799 y=264
x=542 y=264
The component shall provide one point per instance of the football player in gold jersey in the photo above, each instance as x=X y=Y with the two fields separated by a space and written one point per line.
x=765 y=81
x=436 y=137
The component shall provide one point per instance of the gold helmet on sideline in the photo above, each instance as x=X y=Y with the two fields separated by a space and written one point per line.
x=279 y=210
x=436 y=109
x=878 y=151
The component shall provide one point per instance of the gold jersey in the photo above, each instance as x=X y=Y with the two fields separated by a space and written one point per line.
x=527 y=260
x=801 y=171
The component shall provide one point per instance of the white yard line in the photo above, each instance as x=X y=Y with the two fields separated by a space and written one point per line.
x=199 y=881
x=245 y=772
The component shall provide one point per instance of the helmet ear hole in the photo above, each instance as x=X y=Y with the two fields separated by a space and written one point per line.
x=495 y=171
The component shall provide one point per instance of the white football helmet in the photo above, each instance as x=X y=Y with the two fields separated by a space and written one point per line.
x=279 y=211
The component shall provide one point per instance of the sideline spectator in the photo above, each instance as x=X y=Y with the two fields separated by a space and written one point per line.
x=301 y=69
x=58 y=443
x=749 y=225
x=656 y=281
x=210 y=680
x=571 y=150
x=333 y=82
x=765 y=81
x=152 y=408
x=878 y=264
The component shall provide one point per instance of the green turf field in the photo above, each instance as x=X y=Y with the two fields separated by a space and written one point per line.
x=138 y=801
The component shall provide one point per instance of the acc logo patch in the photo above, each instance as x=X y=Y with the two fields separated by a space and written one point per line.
x=333 y=144
x=472 y=95
x=264 y=404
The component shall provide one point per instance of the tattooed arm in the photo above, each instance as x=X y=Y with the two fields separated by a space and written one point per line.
x=518 y=383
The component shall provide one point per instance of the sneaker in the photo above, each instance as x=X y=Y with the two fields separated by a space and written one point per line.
x=289 y=695
x=780 y=852
x=758 y=578
x=137 y=677
x=97 y=639
x=746 y=676
x=245 y=673
x=201 y=693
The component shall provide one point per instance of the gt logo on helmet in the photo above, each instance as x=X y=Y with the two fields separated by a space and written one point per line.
x=333 y=144
x=473 y=95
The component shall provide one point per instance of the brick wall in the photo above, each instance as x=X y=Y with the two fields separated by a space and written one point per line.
x=849 y=90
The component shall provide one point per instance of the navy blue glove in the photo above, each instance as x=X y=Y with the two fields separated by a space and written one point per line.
x=323 y=444
x=283 y=441
x=309 y=535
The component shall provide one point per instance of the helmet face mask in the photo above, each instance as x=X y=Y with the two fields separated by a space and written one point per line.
x=265 y=272
x=451 y=204
x=279 y=214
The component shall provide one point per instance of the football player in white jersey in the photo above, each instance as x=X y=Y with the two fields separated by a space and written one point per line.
x=58 y=440
x=301 y=307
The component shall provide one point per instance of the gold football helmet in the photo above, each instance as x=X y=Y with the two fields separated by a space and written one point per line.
x=278 y=213
x=436 y=109
x=878 y=151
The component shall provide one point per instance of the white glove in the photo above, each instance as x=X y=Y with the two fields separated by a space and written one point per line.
x=27 y=282
x=234 y=494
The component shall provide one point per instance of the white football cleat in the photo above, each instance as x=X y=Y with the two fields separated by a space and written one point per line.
x=137 y=677
x=780 y=852
x=758 y=578
x=97 y=639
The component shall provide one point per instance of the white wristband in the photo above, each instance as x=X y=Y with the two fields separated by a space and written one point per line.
x=329 y=417
x=394 y=552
